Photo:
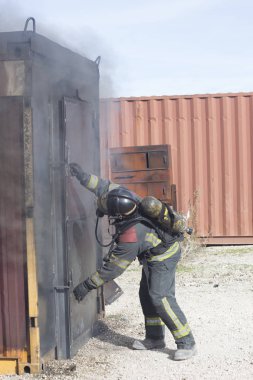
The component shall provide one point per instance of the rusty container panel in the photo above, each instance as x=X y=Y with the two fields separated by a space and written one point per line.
x=211 y=138
x=13 y=294
x=145 y=170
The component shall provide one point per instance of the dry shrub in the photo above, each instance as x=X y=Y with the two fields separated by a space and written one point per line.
x=193 y=244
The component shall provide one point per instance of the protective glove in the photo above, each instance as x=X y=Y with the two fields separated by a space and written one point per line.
x=80 y=291
x=77 y=171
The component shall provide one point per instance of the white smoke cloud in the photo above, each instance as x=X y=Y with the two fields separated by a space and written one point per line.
x=83 y=39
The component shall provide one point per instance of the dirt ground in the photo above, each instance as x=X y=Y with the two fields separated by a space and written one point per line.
x=215 y=290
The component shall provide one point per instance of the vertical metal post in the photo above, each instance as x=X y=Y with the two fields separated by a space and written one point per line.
x=34 y=349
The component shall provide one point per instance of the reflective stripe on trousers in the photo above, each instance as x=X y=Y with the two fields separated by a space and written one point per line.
x=153 y=321
x=181 y=330
x=157 y=296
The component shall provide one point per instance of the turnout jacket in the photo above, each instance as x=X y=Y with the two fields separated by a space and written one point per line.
x=133 y=243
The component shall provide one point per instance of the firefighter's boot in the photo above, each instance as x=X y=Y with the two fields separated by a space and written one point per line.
x=149 y=344
x=184 y=353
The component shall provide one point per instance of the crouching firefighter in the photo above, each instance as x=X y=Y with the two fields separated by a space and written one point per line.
x=150 y=230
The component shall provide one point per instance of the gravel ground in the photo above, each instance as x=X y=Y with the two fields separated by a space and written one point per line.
x=215 y=290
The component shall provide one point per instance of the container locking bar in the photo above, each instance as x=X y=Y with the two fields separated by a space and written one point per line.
x=60 y=288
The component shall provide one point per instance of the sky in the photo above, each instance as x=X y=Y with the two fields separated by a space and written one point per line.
x=150 y=48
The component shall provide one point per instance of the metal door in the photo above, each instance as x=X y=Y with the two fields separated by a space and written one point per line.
x=81 y=146
x=145 y=170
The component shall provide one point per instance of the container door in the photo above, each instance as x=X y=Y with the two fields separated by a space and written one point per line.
x=82 y=147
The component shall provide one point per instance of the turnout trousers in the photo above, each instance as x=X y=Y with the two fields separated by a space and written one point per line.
x=157 y=297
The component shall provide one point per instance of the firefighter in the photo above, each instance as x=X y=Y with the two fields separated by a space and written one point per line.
x=158 y=252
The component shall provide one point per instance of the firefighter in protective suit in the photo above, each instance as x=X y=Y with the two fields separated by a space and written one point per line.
x=158 y=251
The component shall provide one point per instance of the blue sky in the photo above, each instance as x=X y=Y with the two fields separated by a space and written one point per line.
x=148 y=47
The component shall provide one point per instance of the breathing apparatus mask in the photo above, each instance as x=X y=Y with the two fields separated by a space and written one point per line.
x=119 y=204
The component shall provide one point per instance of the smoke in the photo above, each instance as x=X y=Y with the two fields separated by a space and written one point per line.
x=11 y=18
x=86 y=42
x=78 y=38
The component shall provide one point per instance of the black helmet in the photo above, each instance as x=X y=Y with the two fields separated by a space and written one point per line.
x=121 y=202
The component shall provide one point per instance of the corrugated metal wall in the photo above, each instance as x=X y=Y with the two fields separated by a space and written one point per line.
x=211 y=138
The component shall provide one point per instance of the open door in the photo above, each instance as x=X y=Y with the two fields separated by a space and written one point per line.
x=82 y=253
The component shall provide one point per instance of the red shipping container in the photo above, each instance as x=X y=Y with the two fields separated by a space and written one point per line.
x=211 y=139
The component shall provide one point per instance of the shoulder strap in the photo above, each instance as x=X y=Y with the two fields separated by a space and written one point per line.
x=139 y=219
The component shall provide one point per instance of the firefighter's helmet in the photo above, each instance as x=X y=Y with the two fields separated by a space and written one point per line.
x=121 y=202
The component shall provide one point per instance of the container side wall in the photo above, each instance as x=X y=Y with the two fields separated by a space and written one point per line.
x=13 y=292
